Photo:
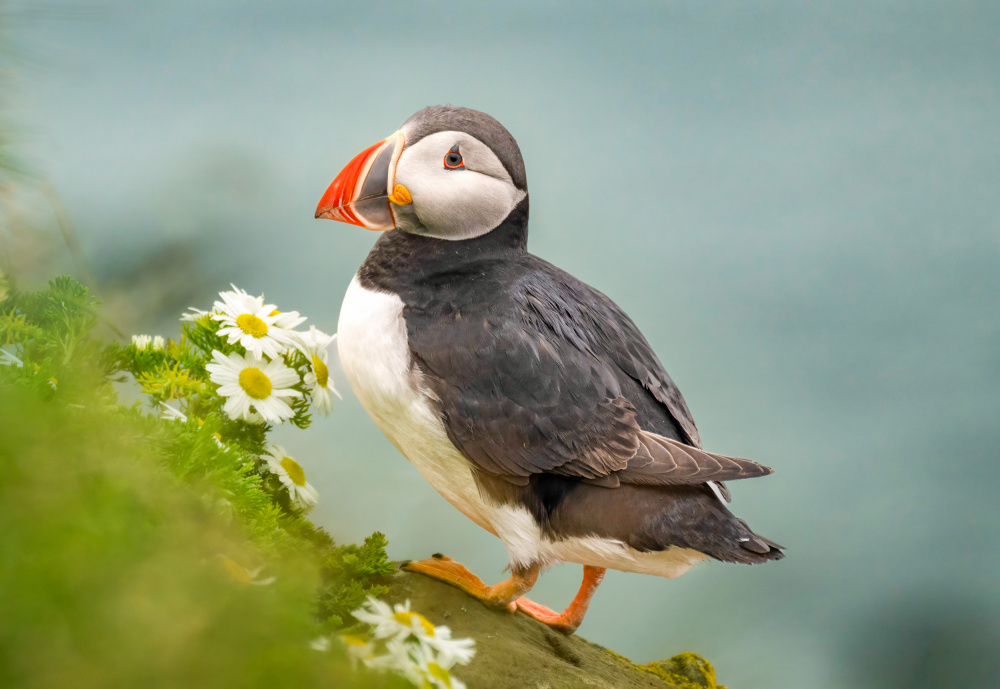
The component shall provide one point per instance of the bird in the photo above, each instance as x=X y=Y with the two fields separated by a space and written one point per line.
x=529 y=400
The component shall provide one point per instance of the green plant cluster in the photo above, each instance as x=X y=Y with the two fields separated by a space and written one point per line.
x=351 y=574
x=141 y=551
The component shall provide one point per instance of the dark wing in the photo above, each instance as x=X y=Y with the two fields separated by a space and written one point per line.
x=590 y=321
x=630 y=350
x=531 y=382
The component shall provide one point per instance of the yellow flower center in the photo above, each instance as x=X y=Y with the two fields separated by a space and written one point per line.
x=275 y=313
x=237 y=571
x=408 y=617
x=322 y=372
x=251 y=325
x=255 y=383
x=439 y=673
x=294 y=471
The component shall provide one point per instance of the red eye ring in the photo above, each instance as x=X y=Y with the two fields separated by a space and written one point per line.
x=453 y=159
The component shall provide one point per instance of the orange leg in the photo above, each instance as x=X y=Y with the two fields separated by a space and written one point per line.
x=568 y=620
x=502 y=596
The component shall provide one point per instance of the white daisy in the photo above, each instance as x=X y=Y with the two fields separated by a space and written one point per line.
x=414 y=647
x=357 y=648
x=315 y=344
x=397 y=658
x=141 y=341
x=450 y=651
x=320 y=643
x=8 y=359
x=254 y=324
x=253 y=385
x=414 y=660
x=435 y=671
x=399 y=622
x=172 y=413
x=415 y=624
x=382 y=617
x=292 y=477
x=193 y=314
x=158 y=343
x=287 y=319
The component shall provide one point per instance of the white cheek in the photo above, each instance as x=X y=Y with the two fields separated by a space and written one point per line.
x=453 y=204
x=460 y=203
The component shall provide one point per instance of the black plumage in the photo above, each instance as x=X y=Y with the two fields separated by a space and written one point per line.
x=555 y=397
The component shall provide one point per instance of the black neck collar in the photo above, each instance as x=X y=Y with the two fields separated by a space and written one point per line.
x=402 y=257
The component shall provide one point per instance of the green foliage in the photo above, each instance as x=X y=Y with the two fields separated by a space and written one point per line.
x=50 y=332
x=350 y=574
x=64 y=313
x=140 y=551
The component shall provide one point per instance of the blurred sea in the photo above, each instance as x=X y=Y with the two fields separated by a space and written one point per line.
x=797 y=203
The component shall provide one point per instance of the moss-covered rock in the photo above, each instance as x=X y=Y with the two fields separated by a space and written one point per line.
x=516 y=652
x=687 y=670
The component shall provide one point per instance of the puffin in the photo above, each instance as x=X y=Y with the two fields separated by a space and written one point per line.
x=529 y=400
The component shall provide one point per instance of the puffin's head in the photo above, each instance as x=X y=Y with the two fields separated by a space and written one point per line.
x=451 y=173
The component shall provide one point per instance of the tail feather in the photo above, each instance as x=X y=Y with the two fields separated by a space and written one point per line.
x=760 y=545
x=697 y=519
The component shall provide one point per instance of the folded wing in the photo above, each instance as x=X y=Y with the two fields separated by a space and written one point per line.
x=545 y=381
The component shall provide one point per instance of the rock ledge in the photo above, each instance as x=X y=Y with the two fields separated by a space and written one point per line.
x=516 y=652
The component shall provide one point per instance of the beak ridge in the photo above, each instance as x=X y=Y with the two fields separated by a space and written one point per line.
x=359 y=195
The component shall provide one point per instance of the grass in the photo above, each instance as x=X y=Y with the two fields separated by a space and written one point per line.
x=131 y=545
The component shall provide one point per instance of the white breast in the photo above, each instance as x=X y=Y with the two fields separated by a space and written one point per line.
x=372 y=341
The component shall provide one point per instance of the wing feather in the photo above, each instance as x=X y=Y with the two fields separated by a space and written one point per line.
x=545 y=378
x=665 y=461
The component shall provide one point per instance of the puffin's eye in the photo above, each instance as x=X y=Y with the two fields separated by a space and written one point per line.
x=453 y=159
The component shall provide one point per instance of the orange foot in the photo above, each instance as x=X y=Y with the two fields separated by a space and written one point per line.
x=560 y=621
x=570 y=619
x=501 y=596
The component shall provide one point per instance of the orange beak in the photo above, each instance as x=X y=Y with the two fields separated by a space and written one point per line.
x=360 y=193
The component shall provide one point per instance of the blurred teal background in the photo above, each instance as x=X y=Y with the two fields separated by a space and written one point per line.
x=797 y=202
